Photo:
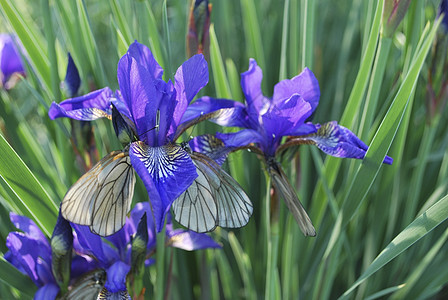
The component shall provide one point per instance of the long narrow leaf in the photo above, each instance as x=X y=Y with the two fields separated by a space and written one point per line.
x=420 y=227
x=25 y=185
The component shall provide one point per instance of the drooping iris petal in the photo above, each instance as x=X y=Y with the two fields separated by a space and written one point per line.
x=241 y=138
x=234 y=113
x=305 y=84
x=47 y=292
x=336 y=140
x=190 y=240
x=89 y=107
x=251 y=86
x=190 y=78
x=116 y=277
x=167 y=171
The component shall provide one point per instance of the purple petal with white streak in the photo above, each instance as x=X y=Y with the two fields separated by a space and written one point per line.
x=89 y=107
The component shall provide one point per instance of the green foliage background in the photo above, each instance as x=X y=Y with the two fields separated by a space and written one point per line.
x=368 y=216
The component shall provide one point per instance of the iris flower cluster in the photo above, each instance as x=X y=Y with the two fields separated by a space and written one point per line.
x=78 y=261
x=153 y=114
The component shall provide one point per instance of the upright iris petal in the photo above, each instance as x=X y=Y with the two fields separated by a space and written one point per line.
x=154 y=109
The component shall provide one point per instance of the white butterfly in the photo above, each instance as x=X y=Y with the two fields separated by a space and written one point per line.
x=102 y=197
x=214 y=199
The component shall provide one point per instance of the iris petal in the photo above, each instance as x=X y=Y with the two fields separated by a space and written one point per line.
x=190 y=241
x=89 y=107
x=305 y=84
x=241 y=138
x=234 y=115
x=86 y=242
x=167 y=171
x=144 y=56
x=251 y=86
x=116 y=277
x=338 y=141
x=47 y=292
x=190 y=78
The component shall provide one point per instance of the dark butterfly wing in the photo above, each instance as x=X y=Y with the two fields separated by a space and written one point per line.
x=214 y=199
x=88 y=286
x=282 y=185
x=102 y=197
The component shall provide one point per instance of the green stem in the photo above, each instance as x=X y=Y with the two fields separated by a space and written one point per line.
x=160 y=265
x=308 y=11
x=49 y=33
x=417 y=176
x=375 y=87
x=272 y=234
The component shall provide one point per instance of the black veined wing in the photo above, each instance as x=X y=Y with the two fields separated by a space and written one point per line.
x=213 y=199
x=106 y=295
x=102 y=197
x=282 y=185
x=88 y=286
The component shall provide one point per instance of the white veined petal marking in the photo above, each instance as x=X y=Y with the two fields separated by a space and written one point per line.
x=213 y=199
x=160 y=161
x=102 y=197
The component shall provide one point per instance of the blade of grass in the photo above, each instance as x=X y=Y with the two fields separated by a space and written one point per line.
x=13 y=277
x=419 y=228
x=252 y=32
x=93 y=55
x=31 y=41
x=348 y=118
x=26 y=187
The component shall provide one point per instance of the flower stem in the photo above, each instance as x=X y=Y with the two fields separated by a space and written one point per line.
x=160 y=265
x=272 y=238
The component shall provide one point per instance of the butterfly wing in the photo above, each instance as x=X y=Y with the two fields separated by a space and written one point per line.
x=282 y=185
x=102 y=197
x=87 y=287
x=214 y=199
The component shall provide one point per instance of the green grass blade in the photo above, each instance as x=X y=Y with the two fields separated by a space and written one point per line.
x=419 y=228
x=252 y=32
x=31 y=41
x=88 y=38
x=13 y=277
x=25 y=185
x=219 y=74
x=372 y=162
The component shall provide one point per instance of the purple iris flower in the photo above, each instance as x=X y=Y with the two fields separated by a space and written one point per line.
x=30 y=252
x=268 y=120
x=113 y=253
x=10 y=60
x=154 y=109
